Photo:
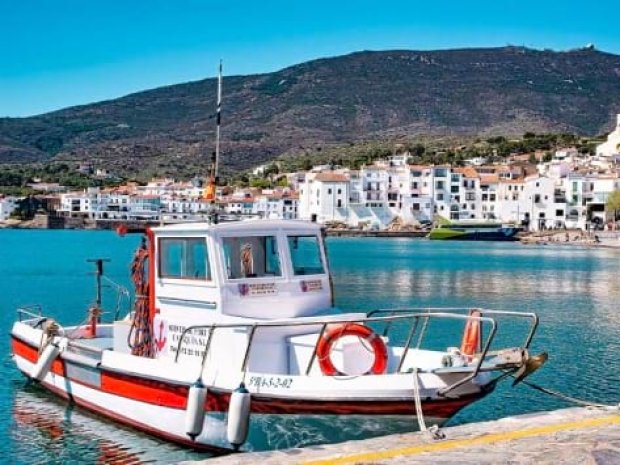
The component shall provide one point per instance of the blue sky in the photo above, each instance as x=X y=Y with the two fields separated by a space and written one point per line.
x=57 y=53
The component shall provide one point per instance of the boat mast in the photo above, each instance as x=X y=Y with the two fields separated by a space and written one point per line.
x=209 y=193
x=218 y=120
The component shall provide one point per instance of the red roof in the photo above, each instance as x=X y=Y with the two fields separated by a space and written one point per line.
x=331 y=177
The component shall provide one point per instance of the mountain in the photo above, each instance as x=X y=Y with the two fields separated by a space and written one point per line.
x=361 y=96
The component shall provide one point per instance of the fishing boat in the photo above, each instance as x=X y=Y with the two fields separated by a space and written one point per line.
x=234 y=338
x=234 y=343
x=474 y=231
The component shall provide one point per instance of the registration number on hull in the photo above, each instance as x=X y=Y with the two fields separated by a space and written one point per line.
x=274 y=382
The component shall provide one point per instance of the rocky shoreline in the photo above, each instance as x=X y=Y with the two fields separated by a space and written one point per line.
x=574 y=238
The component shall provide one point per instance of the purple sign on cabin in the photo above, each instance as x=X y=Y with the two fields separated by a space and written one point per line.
x=244 y=289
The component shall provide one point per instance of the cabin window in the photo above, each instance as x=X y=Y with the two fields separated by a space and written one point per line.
x=184 y=258
x=251 y=257
x=305 y=255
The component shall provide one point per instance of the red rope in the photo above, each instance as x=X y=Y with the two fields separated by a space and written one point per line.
x=140 y=337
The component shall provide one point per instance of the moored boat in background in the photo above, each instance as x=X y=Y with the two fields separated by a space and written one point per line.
x=475 y=231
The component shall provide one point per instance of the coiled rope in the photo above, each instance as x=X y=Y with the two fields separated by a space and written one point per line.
x=51 y=329
x=140 y=337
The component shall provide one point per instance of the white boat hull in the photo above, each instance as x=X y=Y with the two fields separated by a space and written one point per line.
x=158 y=408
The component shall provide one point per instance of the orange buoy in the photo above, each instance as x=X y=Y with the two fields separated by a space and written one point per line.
x=121 y=229
x=335 y=332
x=472 y=336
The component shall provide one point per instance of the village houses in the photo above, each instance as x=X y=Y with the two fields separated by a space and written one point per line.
x=568 y=191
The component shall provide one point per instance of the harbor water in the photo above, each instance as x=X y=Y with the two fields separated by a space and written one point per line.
x=575 y=291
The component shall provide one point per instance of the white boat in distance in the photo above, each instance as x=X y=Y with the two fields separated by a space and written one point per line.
x=234 y=339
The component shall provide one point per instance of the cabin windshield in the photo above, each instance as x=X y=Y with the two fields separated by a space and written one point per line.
x=251 y=257
x=184 y=258
x=305 y=255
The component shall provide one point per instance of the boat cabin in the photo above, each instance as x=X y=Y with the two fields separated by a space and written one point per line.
x=236 y=272
x=259 y=269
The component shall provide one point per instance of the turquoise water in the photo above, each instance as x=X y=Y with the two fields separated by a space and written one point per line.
x=574 y=290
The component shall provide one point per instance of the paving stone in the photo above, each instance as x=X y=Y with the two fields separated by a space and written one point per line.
x=606 y=456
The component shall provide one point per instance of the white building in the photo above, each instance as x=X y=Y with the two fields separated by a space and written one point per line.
x=544 y=203
x=79 y=203
x=168 y=188
x=489 y=198
x=374 y=186
x=611 y=147
x=601 y=187
x=277 y=205
x=7 y=206
x=417 y=200
x=578 y=188
x=324 y=197
x=108 y=205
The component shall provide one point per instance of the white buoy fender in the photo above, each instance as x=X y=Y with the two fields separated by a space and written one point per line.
x=238 y=416
x=195 y=411
x=44 y=363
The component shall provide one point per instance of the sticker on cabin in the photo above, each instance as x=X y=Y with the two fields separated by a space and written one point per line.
x=311 y=286
x=193 y=344
x=257 y=289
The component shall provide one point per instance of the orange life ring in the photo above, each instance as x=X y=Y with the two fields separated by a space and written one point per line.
x=472 y=335
x=335 y=332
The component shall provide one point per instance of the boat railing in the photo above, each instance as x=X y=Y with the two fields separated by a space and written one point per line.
x=29 y=312
x=533 y=317
x=482 y=312
x=419 y=324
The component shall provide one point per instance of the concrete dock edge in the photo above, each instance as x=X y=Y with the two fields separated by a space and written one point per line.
x=567 y=436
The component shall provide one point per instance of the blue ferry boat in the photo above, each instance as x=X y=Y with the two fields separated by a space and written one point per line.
x=475 y=231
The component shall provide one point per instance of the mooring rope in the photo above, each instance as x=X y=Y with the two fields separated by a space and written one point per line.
x=434 y=431
x=418 y=401
x=566 y=397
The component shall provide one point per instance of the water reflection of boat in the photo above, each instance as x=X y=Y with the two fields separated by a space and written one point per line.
x=53 y=431
x=234 y=342
x=474 y=231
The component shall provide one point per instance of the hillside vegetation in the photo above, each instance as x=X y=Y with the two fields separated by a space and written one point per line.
x=359 y=98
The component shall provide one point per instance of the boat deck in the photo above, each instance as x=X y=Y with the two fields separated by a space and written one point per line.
x=571 y=436
x=101 y=343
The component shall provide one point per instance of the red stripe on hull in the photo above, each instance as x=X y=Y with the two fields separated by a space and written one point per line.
x=27 y=352
x=173 y=396
x=144 y=390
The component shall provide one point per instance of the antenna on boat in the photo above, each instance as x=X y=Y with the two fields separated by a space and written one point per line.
x=98 y=274
x=209 y=193
x=94 y=313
